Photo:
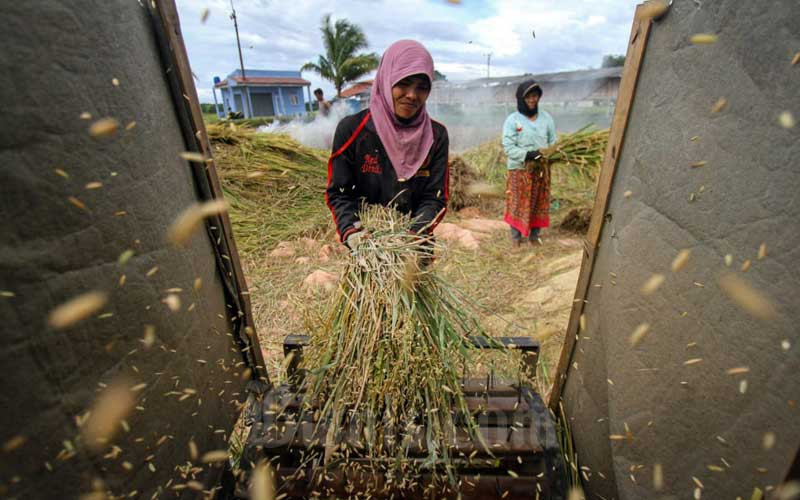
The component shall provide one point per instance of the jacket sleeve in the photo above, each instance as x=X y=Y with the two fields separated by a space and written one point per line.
x=432 y=203
x=339 y=195
x=551 y=133
x=510 y=146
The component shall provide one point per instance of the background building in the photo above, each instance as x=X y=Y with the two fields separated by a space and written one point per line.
x=263 y=93
x=591 y=87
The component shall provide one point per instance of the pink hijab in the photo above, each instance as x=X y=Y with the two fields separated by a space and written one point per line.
x=406 y=145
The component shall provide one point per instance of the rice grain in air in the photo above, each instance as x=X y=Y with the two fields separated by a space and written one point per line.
x=746 y=297
x=796 y=59
x=214 y=456
x=769 y=440
x=728 y=260
x=192 y=156
x=108 y=410
x=654 y=9
x=762 y=251
x=746 y=265
x=703 y=39
x=125 y=256
x=639 y=333
x=738 y=370
x=85 y=116
x=173 y=302
x=78 y=203
x=195 y=485
x=719 y=105
x=104 y=127
x=658 y=477
x=149 y=336
x=680 y=260
x=262 y=482
x=204 y=15
x=576 y=493
x=76 y=309
x=652 y=284
x=14 y=443
x=94 y=185
x=786 y=119
x=189 y=220
x=193 y=452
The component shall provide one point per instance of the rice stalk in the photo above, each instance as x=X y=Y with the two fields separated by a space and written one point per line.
x=388 y=356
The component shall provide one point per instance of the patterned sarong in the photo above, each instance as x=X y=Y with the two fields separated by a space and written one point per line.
x=528 y=197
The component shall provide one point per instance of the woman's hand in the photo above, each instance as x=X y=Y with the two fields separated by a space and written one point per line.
x=533 y=155
x=355 y=239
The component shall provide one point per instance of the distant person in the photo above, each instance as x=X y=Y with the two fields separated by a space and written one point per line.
x=391 y=152
x=324 y=106
x=525 y=133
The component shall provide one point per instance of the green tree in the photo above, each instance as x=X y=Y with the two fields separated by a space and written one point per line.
x=341 y=63
x=610 y=61
x=439 y=76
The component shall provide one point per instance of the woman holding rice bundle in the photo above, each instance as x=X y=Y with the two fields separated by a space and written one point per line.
x=525 y=133
x=392 y=152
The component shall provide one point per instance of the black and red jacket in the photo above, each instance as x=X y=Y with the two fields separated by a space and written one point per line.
x=359 y=171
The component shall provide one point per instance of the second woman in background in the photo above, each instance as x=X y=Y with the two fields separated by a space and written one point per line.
x=525 y=133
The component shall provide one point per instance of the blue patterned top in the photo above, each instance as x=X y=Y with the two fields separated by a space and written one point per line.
x=521 y=135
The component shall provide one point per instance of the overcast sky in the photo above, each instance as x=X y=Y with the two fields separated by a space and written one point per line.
x=283 y=35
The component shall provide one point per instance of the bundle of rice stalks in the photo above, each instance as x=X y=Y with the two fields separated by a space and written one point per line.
x=575 y=160
x=582 y=150
x=387 y=358
x=274 y=185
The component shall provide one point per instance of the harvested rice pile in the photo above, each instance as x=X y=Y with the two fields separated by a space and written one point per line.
x=274 y=186
x=577 y=220
x=461 y=176
x=389 y=356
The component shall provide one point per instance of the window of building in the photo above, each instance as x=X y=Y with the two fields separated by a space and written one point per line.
x=293 y=99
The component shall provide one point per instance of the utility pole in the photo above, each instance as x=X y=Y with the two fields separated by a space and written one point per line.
x=238 y=44
x=488 y=62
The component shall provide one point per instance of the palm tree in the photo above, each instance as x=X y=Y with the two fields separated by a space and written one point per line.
x=341 y=64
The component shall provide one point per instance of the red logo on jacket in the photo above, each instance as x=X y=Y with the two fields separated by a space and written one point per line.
x=371 y=165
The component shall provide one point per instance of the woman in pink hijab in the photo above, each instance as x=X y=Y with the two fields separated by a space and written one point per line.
x=391 y=152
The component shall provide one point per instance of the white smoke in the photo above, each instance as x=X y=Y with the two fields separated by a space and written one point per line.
x=315 y=134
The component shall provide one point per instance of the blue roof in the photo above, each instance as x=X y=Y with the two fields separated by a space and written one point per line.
x=251 y=73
